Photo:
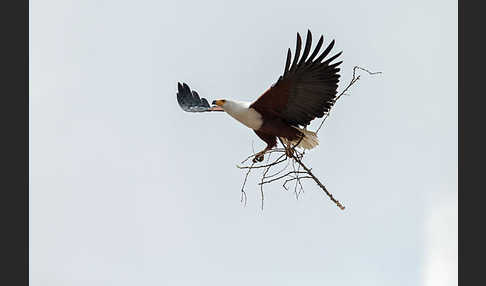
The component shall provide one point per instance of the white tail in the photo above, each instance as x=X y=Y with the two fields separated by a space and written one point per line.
x=309 y=141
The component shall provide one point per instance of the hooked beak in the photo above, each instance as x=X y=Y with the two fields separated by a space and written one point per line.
x=217 y=105
x=219 y=102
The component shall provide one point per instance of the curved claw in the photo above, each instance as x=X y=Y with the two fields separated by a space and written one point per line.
x=258 y=158
x=289 y=152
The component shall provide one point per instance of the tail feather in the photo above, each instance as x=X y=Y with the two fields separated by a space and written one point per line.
x=309 y=141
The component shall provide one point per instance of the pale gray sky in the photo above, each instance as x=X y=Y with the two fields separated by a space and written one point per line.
x=127 y=189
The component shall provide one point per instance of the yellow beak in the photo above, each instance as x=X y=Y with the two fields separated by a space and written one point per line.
x=218 y=102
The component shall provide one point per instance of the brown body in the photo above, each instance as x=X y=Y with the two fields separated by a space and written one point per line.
x=276 y=127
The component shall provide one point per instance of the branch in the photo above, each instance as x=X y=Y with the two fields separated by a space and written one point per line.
x=309 y=172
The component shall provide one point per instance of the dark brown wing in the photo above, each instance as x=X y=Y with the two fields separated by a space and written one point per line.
x=307 y=88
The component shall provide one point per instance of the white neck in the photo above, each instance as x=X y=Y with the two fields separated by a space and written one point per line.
x=232 y=106
x=242 y=112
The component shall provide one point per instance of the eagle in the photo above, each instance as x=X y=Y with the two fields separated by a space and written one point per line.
x=306 y=90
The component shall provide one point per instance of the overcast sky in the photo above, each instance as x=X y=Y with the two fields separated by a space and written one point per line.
x=127 y=189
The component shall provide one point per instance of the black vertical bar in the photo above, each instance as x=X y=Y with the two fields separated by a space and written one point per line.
x=14 y=174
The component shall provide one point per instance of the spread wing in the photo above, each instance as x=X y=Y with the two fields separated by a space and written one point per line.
x=308 y=87
x=191 y=102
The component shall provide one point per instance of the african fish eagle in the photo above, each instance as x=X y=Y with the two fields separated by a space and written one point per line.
x=306 y=90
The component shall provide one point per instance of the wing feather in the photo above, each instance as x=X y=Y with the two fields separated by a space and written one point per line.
x=316 y=49
x=326 y=51
x=297 y=52
x=287 y=64
x=308 y=43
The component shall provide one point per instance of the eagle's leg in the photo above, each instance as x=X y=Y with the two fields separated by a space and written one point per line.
x=271 y=141
x=258 y=158
x=260 y=155
x=289 y=147
x=289 y=151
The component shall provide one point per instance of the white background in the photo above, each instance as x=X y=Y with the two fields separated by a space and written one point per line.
x=127 y=189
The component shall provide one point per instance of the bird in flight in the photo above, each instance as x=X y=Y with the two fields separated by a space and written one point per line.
x=306 y=90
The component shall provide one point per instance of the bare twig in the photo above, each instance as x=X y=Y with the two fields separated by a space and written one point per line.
x=244 y=197
x=294 y=179
x=281 y=177
x=278 y=161
x=353 y=80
